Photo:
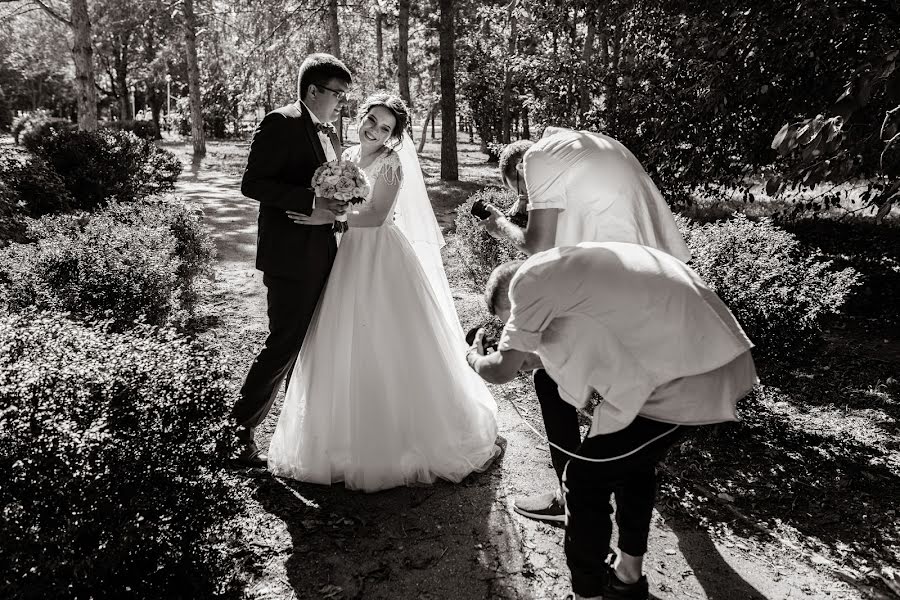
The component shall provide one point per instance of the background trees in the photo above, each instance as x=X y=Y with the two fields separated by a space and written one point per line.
x=697 y=90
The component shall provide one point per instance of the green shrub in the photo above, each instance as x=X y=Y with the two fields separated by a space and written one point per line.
x=128 y=264
x=38 y=132
x=104 y=165
x=26 y=121
x=35 y=186
x=480 y=252
x=146 y=130
x=111 y=447
x=779 y=291
x=12 y=217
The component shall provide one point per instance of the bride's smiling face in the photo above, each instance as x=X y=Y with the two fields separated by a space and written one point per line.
x=376 y=126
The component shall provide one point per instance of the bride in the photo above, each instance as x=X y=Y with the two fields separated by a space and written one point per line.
x=381 y=395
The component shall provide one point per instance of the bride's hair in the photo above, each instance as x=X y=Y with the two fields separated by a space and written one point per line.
x=395 y=104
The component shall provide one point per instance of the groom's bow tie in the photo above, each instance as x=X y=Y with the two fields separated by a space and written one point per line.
x=326 y=128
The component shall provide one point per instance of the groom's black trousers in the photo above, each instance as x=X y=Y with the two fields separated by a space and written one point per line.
x=291 y=305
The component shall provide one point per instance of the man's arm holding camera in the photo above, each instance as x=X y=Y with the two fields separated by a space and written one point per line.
x=539 y=234
x=501 y=366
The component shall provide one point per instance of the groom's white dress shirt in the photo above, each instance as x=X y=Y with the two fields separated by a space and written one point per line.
x=602 y=190
x=636 y=325
x=323 y=137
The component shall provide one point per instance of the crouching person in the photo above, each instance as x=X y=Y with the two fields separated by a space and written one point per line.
x=661 y=349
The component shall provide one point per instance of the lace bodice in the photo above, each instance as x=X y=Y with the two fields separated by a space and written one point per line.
x=387 y=164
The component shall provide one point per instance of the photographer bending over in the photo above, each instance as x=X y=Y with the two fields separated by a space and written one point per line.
x=644 y=331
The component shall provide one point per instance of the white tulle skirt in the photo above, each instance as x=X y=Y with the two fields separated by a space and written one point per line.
x=381 y=395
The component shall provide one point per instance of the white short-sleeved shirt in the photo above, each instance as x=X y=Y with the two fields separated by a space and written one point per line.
x=327 y=147
x=602 y=190
x=636 y=325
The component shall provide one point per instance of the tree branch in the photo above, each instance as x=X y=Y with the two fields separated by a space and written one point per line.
x=46 y=8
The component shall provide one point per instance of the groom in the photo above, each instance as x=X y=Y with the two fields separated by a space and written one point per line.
x=288 y=146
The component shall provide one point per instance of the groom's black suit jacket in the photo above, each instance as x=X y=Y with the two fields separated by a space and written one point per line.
x=284 y=154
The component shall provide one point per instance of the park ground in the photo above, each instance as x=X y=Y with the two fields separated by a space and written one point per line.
x=798 y=501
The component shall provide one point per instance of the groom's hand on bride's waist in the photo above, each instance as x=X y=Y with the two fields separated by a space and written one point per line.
x=319 y=216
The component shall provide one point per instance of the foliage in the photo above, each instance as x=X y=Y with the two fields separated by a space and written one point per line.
x=481 y=252
x=12 y=217
x=779 y=291
x=38 y=130
x=146 y=130
x=127 y=264
x=111 y=448
x=34 y=186
x=836 y=149
x=109 y=165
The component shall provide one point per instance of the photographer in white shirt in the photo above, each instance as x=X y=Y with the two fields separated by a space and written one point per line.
x=577 y=187
x=644 y=331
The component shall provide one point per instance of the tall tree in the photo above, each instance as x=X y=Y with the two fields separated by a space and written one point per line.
x=379 y=45
x=507 y=72
x=403 y=51
x=334 y=30
x=190 y=44
x=587 y=55
x=447 y=45
x=83 y=58
x=83 y=55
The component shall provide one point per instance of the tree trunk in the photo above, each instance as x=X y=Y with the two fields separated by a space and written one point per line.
x=587 y=54
x=507 y=74
x=403 y=51
x=613 y=100
x=120 y=63
x=447 y=41
x=83 y=56
x=526 y=126
x=433 y=118
x=379 y=46
x=190 y=43
x=428 y=117
x=334 y=30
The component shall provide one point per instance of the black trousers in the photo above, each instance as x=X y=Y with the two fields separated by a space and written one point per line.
x=291 y=305
x=560 y=420
x=628 y=471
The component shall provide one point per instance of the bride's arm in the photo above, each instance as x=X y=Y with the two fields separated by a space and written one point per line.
x=374 y=212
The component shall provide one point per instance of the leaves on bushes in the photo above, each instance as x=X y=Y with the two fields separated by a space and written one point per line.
x=111 y=448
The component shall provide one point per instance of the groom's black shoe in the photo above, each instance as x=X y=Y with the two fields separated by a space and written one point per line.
x=249 y=455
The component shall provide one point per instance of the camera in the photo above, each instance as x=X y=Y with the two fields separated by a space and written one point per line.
x=489 y=341
x=480 y=211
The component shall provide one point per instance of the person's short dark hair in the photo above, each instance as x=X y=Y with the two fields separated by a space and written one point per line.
x=393 y=103
x=319 y=69
x=497 y=287
x=511 y=156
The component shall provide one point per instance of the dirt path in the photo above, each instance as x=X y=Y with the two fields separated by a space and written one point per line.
x=445 y=541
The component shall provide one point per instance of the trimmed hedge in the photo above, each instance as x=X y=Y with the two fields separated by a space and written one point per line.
x=480 y=252
x=111 y=447
x=35 y=186
x=127 y=263
x=39 y=130
x=146 y=130
x=780 y=291
x=97 y=167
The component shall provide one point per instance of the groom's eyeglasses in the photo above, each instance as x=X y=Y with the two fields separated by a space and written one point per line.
x=340 y=95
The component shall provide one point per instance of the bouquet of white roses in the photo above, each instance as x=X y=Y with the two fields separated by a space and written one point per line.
x=342 y=180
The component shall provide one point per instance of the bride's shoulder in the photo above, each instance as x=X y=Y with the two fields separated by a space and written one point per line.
x=350 y=153
x=389 y=165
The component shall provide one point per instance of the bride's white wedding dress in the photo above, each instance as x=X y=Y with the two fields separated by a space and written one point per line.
x=381 y=395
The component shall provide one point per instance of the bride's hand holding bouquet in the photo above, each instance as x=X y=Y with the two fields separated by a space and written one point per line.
x=344 y=181
x=336 y=184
